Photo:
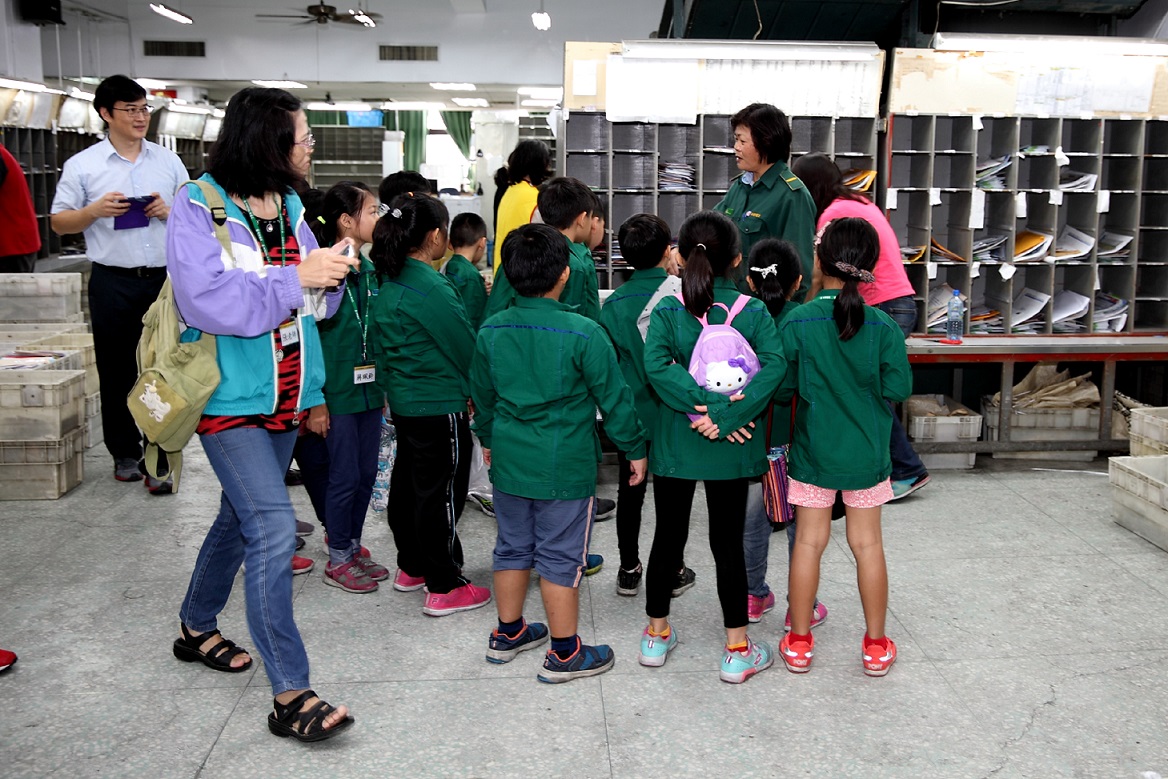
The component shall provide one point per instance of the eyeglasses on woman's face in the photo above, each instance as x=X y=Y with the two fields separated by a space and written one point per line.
x=307 y=142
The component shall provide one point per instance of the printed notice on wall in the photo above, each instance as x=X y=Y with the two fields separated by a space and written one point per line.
x=652 y=90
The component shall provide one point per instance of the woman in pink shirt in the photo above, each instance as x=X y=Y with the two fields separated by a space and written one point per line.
x=891 y=292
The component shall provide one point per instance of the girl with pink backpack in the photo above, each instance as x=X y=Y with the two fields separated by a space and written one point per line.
x=726 y=338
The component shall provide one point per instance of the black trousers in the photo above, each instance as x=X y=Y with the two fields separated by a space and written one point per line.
x=427 y=492
x=18 y=263
x=726 y=502
x=118 y=300
x=629 y=503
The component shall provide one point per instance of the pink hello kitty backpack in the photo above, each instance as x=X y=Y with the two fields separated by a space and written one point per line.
x=723 y=360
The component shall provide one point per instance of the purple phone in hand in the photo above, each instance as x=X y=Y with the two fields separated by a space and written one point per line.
x=136 y=216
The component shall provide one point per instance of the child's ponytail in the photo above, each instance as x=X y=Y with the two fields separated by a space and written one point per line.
x=774 y=272
x=709 y=243
x=344 y=197
x=847 y=250
x=403 y=229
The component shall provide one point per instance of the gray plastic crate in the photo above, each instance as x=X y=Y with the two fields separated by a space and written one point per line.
x=41 y=405
x=42 y=470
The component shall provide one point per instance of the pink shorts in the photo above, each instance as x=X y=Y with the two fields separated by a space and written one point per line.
x=812 y=497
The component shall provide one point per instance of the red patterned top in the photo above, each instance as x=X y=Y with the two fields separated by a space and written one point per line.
x=287 y=354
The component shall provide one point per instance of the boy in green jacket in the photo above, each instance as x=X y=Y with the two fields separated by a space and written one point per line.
x=568 y=205
x=539 y=372
x=468 y=242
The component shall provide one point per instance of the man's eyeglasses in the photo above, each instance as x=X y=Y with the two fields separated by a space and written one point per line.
x=138 y=110
x=308 y=143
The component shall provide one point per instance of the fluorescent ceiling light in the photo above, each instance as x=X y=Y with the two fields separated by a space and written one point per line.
x=171 y=14
x=280 y=84
x=453 y=86
x=539 y=103
x=1073 y=45
x=187 y=109
x=339 y=106
x=674 y=48
x=471 y=102
x=411 y=105
x=150 y=83
x=542 y=93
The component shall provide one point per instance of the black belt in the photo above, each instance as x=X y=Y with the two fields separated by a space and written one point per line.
x=141 y=272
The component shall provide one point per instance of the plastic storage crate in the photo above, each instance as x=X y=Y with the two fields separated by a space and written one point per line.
x=944 y=429
x=94 y=432
x=41 y=405
x=41 y=470
x=1045 y=424
x=1139 y=496
x=41 y=329
x=47 y=358
x=82 y=342
x=40 y=297
x=1149 y=431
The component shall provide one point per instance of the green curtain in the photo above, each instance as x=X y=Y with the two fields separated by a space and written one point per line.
x=458 y=125
x=413 y=124
x=321 y=118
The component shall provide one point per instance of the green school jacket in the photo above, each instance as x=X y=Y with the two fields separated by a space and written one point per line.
x=679 y=451
x=581 y=290
x=619 y=319
x=538 y=375
x=425 y=343
x=343 y=348
x=842 y=418
x=466 y=278
x=777 y=206
x=781 y=421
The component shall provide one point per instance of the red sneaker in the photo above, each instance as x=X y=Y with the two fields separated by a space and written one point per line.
x=464 y=598
x=6 y=659
x=374 y=571
x=350 y=577
x=797 y=654
x=403 y=582
x=301 y=565
x=877 y=659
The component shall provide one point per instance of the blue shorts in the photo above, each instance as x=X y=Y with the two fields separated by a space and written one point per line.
x=550 y=536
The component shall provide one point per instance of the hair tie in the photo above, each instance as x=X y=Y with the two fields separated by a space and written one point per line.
x=768 y=270
x=856 y=273
x=702 y=246
x=321 y=220
x=395 y=213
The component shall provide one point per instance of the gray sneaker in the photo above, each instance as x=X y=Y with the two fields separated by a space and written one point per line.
x=685 y=580
x=126 y=469
x=159 y=486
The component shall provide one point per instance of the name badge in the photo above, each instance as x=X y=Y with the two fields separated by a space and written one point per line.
x=289 y=334
x=364 y=374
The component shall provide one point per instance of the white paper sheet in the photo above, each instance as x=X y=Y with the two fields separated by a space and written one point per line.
x=1028 y=304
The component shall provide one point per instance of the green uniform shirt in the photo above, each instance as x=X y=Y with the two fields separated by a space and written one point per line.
x=581 y=290
x=425 y=342
x=680 y=451
x=619 y=319
x=538 y=375
x=347 y=344
x=776 y=206
x=470 y=285
x=842 y=418
x=781 y=421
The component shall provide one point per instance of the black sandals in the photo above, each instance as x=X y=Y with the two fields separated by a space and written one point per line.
x=283 y=720
x=218 y=658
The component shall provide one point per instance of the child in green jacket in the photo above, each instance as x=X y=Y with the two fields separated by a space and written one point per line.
x=717 y=448
x=468 y=242
x=539 y=373
x=847 y=361
x=425 y=347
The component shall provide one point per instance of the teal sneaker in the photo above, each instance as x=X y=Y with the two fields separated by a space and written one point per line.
x=737 y=667
x=655 y=650
x=502 y=648
x=585 y=661
x=594 y=564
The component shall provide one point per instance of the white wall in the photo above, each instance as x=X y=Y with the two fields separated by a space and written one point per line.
x=499 y=46
x=20 y=46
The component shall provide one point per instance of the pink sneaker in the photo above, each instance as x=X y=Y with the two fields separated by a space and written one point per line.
x=374 y=571
x=756 y=607
x=463 y=598
x=403 y=582
x=818 y=617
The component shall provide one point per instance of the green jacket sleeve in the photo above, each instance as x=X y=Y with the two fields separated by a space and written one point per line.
x=895 y=372
x=790 y=346
x=676 y=388
x=482 y=391
x=590 y=302
x=795 y=222
x=606 y=385
x=474 y=297
x=446 y=322
x=760 y=391
x=502 y=295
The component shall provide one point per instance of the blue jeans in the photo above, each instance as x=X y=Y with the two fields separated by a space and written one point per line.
x=352 y=451
x=756 y=542
x=906 y=463
x=255 y=525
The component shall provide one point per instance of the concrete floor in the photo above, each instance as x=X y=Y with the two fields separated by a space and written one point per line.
x=1033 y=637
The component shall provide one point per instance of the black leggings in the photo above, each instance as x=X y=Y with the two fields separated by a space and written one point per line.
x=629 y=501
x=726 y=502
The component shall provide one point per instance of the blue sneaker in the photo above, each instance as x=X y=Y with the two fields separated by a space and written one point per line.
x=737 y=667
x=585 y=661
x=594 y=564
x=502 y=648
x=655 y=650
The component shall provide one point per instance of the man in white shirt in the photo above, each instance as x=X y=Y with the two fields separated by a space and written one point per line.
x=118 y=192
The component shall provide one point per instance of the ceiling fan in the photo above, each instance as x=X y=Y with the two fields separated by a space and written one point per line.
x=323 y=14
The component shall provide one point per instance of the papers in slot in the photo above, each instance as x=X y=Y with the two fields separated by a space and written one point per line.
x=989 y=173
x=1076 y=181
x=941 y=252
x=1031 y=246
x=991 y=248
x=1114 y=246
x=859 y=180
x=1027 y=306
x=1072 y=244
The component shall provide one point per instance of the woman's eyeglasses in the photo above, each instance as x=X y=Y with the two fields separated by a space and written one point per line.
x=308 y=143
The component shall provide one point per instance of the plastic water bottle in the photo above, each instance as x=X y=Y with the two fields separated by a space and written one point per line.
x=955 y=324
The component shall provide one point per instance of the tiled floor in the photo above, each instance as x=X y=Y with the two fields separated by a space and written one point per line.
x=1033 y=634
